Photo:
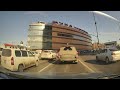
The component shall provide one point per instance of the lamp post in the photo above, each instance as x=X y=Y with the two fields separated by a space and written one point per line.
x=96 y=30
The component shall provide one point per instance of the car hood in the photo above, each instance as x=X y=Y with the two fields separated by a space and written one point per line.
x=51 y=75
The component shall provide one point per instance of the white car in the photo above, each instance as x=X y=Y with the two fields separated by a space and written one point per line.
x=17 y=60
x=48 y=54
x=36 y=54
x=108 y=55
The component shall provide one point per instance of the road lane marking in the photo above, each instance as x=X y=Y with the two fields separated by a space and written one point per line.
x=46 y=67
x=66 y=68
x=42 y=62
x=86 y=66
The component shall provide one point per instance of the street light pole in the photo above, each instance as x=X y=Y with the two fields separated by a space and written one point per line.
x=96 y=29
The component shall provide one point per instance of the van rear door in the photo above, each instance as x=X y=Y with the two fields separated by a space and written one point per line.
x=25 y=58
x=6 y=58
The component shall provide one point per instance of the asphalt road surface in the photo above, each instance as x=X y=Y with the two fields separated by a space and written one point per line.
x=86 y=64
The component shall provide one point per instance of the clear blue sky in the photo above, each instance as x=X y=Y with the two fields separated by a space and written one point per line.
x=14 y=24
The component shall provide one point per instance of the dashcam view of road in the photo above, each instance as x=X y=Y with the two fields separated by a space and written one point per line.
x=86 y=64
x=60 y=45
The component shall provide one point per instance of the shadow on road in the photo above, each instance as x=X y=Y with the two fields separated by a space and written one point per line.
x=59 y=62
x=97 y=62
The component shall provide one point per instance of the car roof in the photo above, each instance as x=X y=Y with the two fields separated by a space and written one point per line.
x=16 y=49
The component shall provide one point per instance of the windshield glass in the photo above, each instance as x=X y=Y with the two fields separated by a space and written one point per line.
x=80 y=44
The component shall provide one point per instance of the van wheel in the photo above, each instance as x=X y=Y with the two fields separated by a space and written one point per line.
x=107 y=60
x=21 y=68
x=74 y=62
x=97 y=59
x=39 y=57
x=36 y=64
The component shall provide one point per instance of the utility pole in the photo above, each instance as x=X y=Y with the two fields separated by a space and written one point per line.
x=96 y=30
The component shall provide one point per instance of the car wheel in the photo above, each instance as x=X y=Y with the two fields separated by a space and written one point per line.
x=36 y=64
x=39 y=58
x=74 y=62
x=107 y=60
x=21 y=68
x=42 y=58
x=97 y=59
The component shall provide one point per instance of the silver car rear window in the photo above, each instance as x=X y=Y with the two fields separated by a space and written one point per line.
x=113 y=50
x=6 y=52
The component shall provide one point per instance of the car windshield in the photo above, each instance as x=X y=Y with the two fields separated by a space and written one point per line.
x=53 y=51
x=45 y=51
x=66 y=44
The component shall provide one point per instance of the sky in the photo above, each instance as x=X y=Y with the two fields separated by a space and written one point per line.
x=14 y=24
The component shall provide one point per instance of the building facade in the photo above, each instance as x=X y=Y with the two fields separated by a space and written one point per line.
x=56 y=34
x=97 y=46
x=112 y=44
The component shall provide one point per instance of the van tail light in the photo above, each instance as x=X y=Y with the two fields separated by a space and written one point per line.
x=12 y=61
x=77 y=53
x=59 y=55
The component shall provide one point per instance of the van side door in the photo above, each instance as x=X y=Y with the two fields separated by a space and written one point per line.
x=25 y=58
x=102 y=54
x=31 y=58
x=18 y=59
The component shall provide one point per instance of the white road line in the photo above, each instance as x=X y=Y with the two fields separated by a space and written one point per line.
x=66 y=68
x=42 y=62
x=46 y=67
x=86 y=66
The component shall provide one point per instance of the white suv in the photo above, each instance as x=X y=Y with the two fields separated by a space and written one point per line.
x=48 y=54
x=17 y=60
x=68 y=53
x=108 y=55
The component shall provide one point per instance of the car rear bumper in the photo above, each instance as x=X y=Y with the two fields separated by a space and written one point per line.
x=64 y=59
x=47 y=57
x=115 y=59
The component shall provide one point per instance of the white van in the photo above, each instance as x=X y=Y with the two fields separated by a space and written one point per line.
x=17 y=60
x=0 y=54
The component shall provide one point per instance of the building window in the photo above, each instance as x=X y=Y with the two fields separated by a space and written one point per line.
x=64 y=35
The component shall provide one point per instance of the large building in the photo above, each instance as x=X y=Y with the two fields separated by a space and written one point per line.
x=97 y=46
x=56 y=34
